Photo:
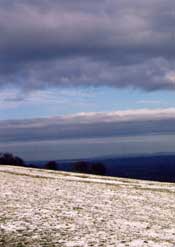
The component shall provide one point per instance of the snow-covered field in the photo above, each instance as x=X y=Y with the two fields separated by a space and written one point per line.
x=48 y=208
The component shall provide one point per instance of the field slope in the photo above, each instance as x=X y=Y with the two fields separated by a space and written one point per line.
x=46 y=208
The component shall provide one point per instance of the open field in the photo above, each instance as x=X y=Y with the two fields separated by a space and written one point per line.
x=47 y=208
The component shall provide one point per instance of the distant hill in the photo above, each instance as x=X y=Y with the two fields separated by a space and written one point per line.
x=159 y=167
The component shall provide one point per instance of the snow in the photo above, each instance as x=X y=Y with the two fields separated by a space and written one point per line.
x=48 y=208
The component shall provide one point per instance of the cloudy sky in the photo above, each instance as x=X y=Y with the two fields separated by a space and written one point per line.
x=87 y=78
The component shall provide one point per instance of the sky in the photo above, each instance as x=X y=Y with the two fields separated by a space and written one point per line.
x=90 y=78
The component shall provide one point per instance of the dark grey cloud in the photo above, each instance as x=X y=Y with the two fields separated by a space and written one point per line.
x=60 y=43
x=89 y=125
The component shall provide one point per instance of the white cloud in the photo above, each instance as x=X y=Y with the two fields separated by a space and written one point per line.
x=150 y=102
x=89 y=125
x=171 y=77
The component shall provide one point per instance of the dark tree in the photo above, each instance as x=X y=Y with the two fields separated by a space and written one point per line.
x=10 y=159
x=52 y=165
x=19 y=161
x=98 y=168
x=81 y=167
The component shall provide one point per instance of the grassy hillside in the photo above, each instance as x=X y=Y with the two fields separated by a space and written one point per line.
x=47 y=208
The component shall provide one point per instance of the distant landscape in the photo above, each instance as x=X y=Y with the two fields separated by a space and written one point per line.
x=87 y=123
x=160 y=167
x=157 y=167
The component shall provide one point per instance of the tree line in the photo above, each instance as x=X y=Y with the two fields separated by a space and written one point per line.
x=97 y=168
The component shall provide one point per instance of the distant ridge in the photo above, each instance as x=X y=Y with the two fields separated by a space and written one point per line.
x=112 y=156
x=156 y=167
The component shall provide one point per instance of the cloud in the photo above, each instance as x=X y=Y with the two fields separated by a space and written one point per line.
x=114 y=43
x=89 y=125
x=150 y=102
